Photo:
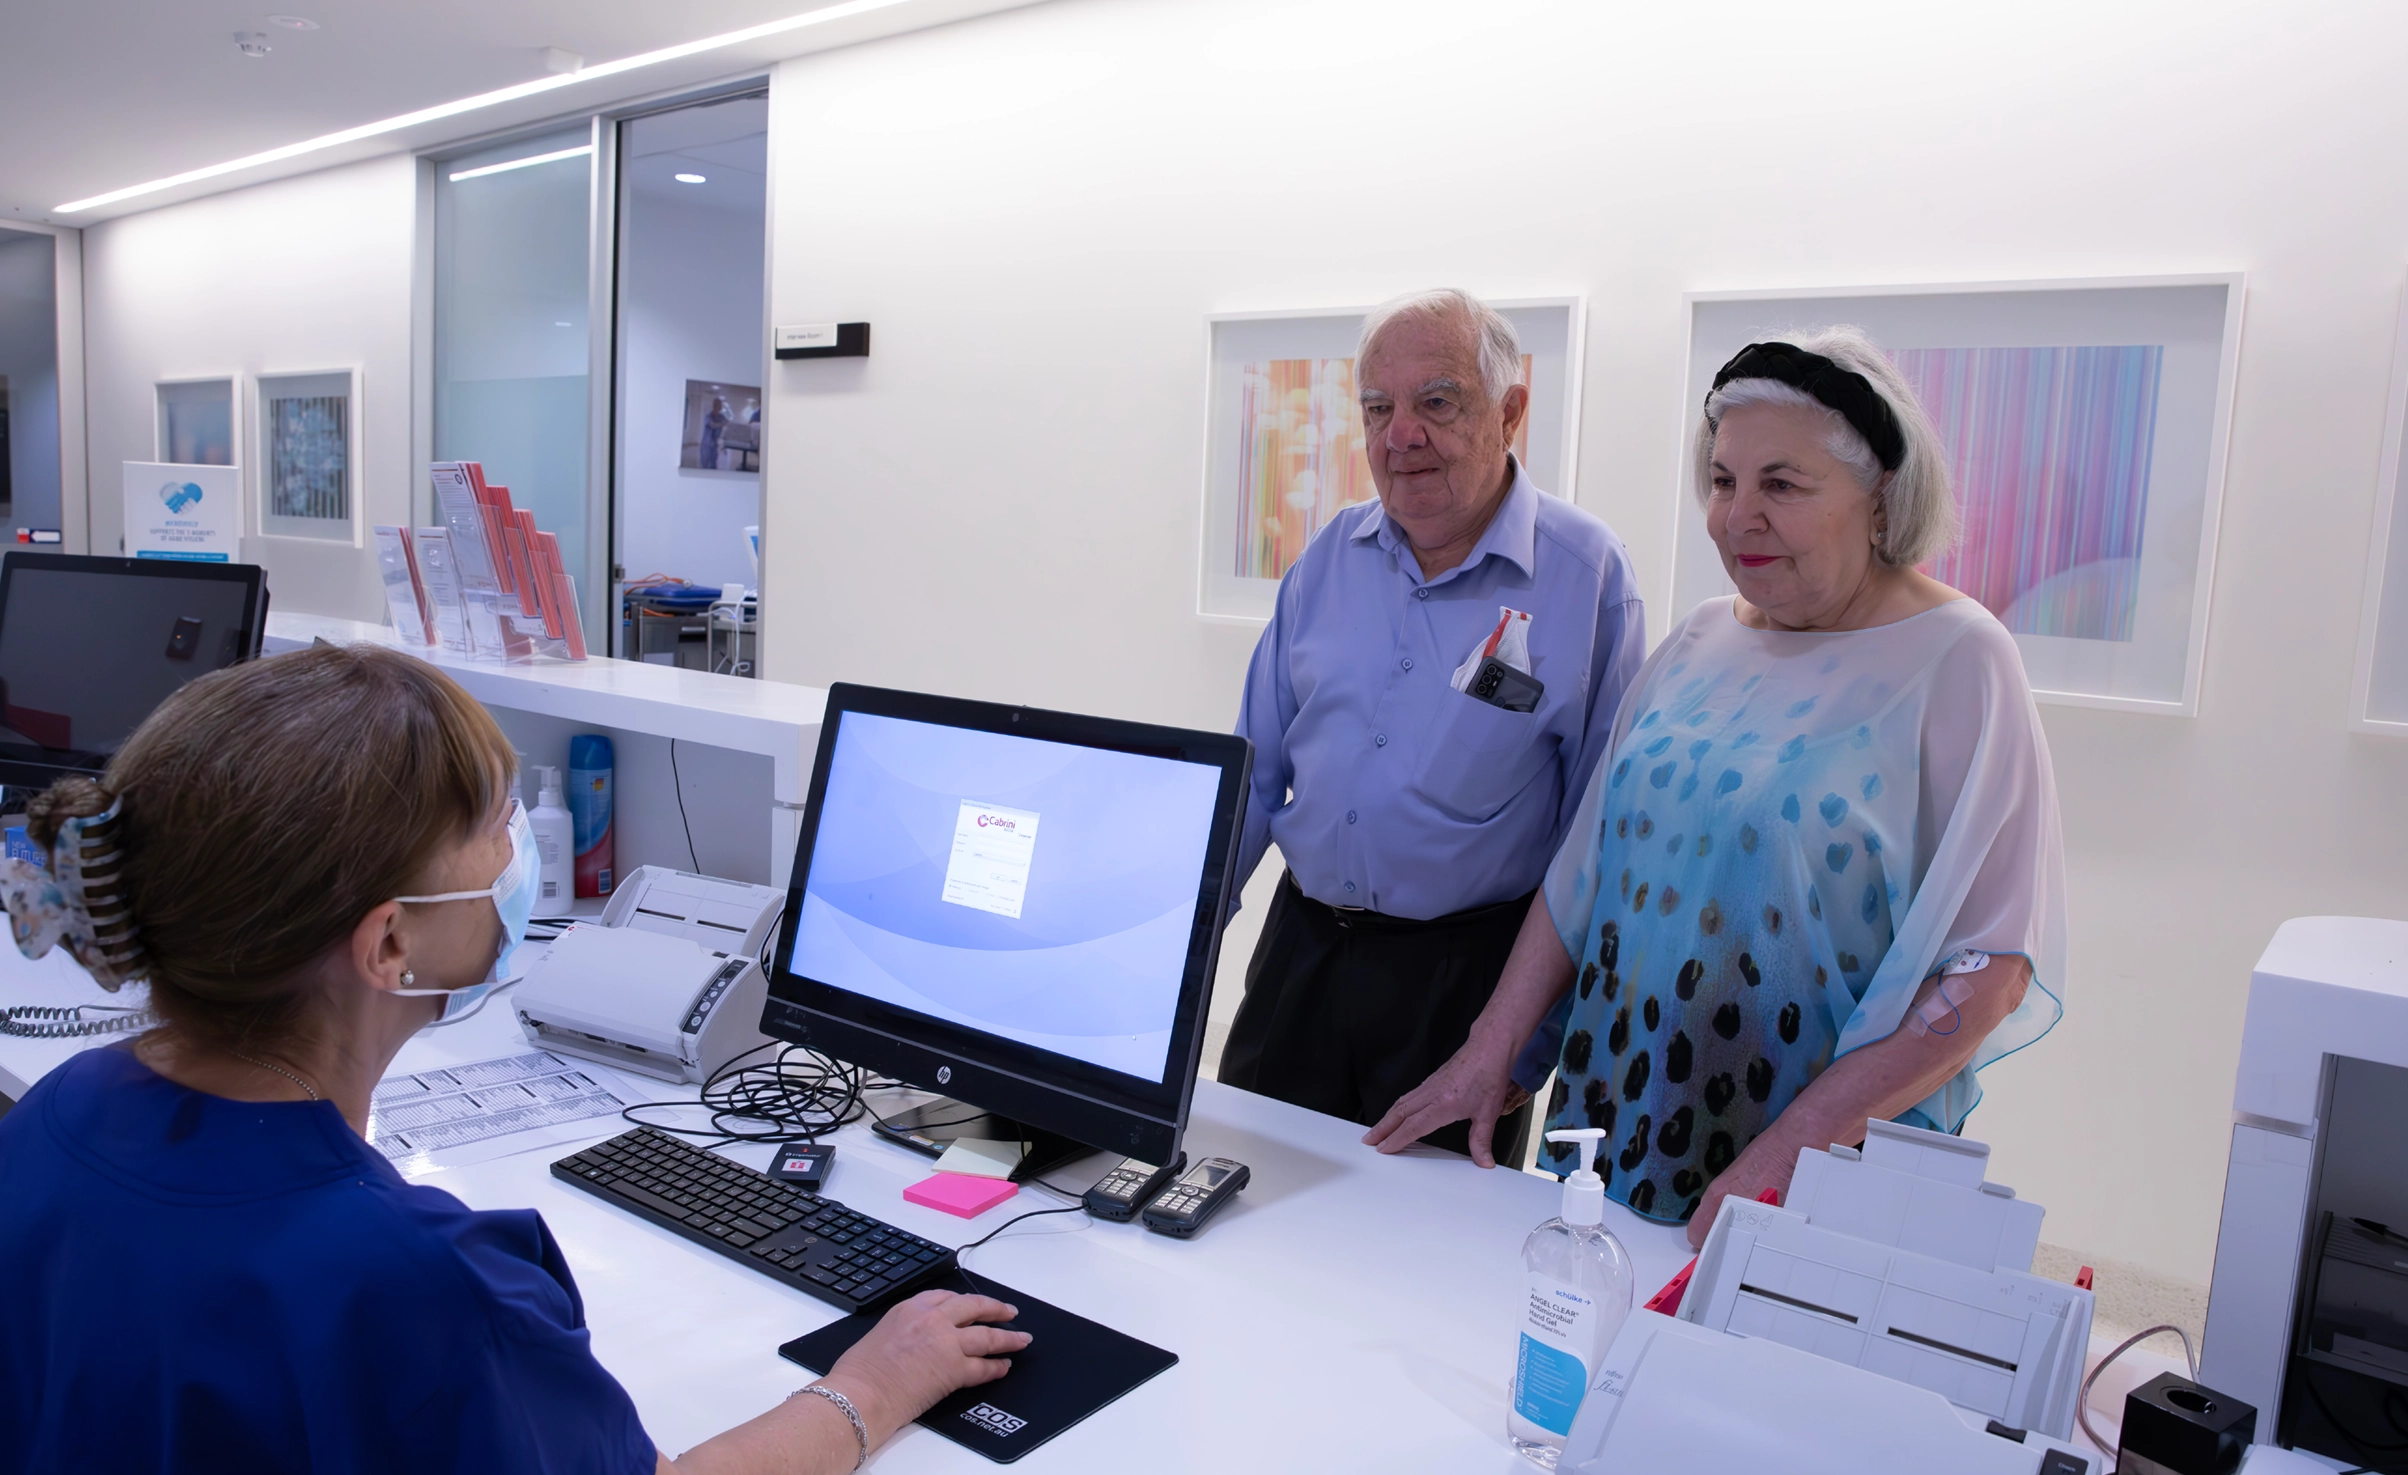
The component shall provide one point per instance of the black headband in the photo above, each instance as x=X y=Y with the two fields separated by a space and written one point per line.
x=1843 y=390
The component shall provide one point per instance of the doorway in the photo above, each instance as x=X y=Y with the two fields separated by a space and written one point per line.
x=688 y=427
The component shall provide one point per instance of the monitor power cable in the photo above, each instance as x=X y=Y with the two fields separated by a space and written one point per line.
x=678 y=782
x=1077 y=1205
x=797 y=1094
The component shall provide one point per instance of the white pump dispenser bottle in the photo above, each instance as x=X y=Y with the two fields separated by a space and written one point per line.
x=1578 y=1295
x=555 y=851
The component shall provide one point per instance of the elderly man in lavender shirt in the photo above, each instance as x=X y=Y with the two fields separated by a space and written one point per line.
x=1416 y=819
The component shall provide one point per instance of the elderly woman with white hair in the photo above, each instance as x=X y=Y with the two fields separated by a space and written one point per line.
x=1818 y=877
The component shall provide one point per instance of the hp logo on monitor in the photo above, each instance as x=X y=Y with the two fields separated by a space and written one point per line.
x=944 y=1075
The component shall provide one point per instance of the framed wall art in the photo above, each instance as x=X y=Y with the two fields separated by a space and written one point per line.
x=1283 y=449
x=2379 y=695
x=308 y=455
x=194 y=423
x=2086 y=423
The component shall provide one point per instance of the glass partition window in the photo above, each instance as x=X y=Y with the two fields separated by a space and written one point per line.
x=513 y=226
x=306 y=455
x=196 y=422
x=693 y=202
x=29 y=380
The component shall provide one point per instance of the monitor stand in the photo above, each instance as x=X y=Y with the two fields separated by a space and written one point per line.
x=933 y=1127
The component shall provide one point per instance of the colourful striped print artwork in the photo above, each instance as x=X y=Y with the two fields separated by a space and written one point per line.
x=1301 y=457
x=2049 y=455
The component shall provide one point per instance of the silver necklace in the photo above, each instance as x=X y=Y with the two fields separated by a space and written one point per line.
x=280 y=1070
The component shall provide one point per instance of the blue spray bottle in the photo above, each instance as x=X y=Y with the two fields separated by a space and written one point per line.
x=589 y=813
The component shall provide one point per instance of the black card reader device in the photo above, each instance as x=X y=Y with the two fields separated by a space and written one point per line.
x=802 y=1163
x=1119 y=1194
x=1197 y=1197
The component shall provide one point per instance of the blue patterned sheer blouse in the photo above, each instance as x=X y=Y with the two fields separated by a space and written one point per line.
x=1789 y=833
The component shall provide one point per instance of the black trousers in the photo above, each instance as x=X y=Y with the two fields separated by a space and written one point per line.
x=1345 y=1010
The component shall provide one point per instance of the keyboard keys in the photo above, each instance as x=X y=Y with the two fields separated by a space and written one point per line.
x=776 y=1228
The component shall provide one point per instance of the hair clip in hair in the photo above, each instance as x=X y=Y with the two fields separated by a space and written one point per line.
x=76 y=902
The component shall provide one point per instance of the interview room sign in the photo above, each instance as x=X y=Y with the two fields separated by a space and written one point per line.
x=192 y=513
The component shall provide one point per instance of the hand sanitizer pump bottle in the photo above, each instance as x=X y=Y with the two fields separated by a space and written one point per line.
x=1577 y=1297
x=555 y=857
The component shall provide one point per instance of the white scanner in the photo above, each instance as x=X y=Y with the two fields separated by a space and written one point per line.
x=1885 y=1321
x=668 y=983
x=1885 y=1318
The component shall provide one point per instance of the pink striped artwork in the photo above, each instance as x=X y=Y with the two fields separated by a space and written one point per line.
x=1300 y=457
x=2049 y=454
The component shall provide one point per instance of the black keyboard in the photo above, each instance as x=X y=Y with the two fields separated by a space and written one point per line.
x=791 y=1235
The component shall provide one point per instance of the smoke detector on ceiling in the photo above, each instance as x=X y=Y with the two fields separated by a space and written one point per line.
x=251 y=43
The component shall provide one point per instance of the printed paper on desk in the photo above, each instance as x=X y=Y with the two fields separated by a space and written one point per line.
x=992 y=848
x=1509 y=642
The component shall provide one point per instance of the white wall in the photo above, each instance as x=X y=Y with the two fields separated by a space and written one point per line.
x=1037 y=210
x=690 y=308
x=302 y=274
x=29 y=363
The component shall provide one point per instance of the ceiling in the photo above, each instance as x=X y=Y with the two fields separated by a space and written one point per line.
x=726 y=143
x=99 y=95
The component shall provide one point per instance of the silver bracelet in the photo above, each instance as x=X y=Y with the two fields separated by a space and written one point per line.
x=861 y=1431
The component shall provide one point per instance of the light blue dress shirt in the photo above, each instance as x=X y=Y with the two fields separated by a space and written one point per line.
x=1384 y=786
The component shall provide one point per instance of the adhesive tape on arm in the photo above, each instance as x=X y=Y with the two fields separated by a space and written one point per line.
x=1944 y=1006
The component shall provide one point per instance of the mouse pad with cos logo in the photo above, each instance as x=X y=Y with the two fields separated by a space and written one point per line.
x=1071 y=1368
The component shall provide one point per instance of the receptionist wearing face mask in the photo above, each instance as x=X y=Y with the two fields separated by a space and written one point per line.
x=308 y=859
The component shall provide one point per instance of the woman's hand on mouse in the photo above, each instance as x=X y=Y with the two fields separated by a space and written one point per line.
x=920 y=1351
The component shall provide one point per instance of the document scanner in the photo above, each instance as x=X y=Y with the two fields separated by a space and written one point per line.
x=668 y=984
x=1884 y=1318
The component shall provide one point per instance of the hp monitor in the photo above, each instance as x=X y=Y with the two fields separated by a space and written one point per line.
x=89 y=646
x=1019 y=908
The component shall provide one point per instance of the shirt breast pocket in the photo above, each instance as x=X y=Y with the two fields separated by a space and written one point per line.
x=1481 y=756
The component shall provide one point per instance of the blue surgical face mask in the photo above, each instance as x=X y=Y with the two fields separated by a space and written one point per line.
x=513 y=896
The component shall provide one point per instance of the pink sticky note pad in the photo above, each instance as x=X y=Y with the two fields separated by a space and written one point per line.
x=960 y=1193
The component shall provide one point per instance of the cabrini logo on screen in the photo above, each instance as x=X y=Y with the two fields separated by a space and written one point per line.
x=995 y=821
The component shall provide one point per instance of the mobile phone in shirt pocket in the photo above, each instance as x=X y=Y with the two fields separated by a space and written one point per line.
x=1501 y=685
x=1480 y=756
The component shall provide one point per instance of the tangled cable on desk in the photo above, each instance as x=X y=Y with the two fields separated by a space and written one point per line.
x=40 y=1022
x=798 y=1093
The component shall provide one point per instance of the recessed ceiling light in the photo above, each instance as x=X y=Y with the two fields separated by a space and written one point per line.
x=498 y=96
x=293 y=22
x=507 y=165
x=692 y=179
x=251 y=43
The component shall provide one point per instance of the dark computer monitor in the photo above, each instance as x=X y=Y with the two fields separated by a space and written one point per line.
x=89 y=646
x=1019 y=908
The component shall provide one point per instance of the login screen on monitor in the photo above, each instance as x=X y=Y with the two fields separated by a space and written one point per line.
x=1043 y=892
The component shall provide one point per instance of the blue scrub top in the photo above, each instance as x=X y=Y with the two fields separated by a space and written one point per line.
x=197 y=1283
